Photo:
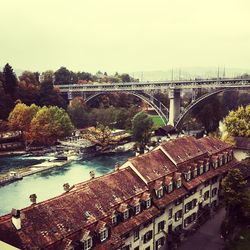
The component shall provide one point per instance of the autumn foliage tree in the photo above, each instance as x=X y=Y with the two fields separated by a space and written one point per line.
x=21 y=116
x=238 y=122
x=49 y=124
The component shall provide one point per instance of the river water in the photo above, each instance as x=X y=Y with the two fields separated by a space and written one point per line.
x=50 y=183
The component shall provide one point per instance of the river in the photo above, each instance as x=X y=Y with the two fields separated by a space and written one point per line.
x=50 y=183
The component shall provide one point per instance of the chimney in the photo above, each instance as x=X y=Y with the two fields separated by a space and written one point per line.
x=66 y=187
x=33 y=198
x=117 y=166
x=92 y=174
x=16 y=219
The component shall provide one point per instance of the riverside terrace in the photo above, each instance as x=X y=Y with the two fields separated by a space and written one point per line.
x=138 y=206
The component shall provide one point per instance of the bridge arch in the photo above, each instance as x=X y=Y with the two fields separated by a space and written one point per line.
x=159 y=107
x=193 y=104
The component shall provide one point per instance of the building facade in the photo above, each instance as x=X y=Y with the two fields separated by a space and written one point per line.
x=146 y=204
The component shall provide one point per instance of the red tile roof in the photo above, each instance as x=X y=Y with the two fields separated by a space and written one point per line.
x=153 y=165
x=55 y=219
x=184 y=149
x=213 y=145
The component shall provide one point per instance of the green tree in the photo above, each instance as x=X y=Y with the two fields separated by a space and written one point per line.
x=10 y=81
x=236 y=201
x=50 y=96
x=62 y=76
x=238 y=122
x=6 y=103
x=125 y=78
x=47 y=76
x=209 y=114
x=50 y=124
x=142 y=126
x=77 y=112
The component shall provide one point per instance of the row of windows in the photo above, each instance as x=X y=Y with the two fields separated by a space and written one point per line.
x=126 y=214
x=205 y=168
x=168 y=189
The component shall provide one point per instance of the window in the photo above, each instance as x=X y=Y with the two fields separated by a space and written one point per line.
x=170 y=213
x=195 y=172
x=147 y=236
x=159 y=192
x=178 y=201
x=215 y=163
x=189 y=219
x=137 y=209
x=160 y=243
x=103 y=235
x=87 y=244
x=178 y=215
x=114 y=219
x=148 y=203
x=206 y=195
x=214 y=192
x=161 y=226
x=221 y=161
x=214 y=179
x=170 y=187
x=190 y=205
x=207 y=166
x=136 y=235
x=126 y=214
x=188 y=175
x=206 y=183
x=178 y=183
x=201 y=169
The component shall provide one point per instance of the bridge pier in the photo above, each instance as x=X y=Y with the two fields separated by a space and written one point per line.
x=174 y=105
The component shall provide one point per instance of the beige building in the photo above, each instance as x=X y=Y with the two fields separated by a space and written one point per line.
x=148 y=203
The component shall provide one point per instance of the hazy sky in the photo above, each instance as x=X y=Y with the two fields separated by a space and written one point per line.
x=124 y=35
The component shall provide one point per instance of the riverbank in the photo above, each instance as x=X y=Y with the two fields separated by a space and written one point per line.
x=26 y=171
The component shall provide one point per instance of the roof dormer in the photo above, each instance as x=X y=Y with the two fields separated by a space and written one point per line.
x=86 y=239
x=158 y=187
x=102 y=230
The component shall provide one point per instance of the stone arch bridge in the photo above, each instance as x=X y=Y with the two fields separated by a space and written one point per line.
x=145 y=90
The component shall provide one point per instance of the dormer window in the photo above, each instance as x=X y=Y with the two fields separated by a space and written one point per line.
x=188 y=176
x=215 y=163
x=207 y=166
x=170 y=187
x=126 y=214
x=221 y=161
x=114 y=219
x=148 y=203
x=159 y=192
x=178 y=183
x=104 y=234
x=201 y=169
x=195 y=172
x=87 y=244
x=137 y=209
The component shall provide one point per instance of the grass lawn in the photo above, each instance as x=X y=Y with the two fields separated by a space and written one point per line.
x=157 y=121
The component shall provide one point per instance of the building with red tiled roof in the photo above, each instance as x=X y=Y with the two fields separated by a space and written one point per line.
x=135 y=207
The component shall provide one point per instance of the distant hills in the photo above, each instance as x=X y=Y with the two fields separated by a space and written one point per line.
x=187 y=73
